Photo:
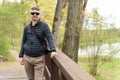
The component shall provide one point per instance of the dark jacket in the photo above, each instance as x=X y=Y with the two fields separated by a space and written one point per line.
x=30 y=44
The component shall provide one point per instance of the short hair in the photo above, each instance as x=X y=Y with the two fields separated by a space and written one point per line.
x=35 y=8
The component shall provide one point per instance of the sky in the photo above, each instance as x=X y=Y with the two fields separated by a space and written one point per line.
x=107 y=8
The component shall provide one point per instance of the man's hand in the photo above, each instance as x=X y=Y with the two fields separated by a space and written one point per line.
x=21 y=61
x=53 y=54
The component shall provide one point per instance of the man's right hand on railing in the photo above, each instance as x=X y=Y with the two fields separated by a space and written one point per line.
x=53 y=54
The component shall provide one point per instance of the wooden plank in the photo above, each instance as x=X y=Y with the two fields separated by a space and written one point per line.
x=70 y=69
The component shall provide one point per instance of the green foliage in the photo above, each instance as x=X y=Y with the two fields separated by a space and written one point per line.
x=11 y=18
x=97 y=30
x=3 y=47
x=108 y=71
x=95 y=33
x=107 y=36
x=4 y=50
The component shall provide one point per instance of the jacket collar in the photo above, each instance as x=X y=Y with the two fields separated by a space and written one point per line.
x=38 y=22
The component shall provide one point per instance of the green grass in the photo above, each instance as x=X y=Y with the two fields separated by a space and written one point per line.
x=108 y=71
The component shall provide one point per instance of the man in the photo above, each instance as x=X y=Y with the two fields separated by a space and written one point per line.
x=32 y=50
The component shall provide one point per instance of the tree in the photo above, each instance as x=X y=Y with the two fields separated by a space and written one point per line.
x=73 y=28
x=57 y=18
x=13 y=18
x=98 y=32
x=36 y=1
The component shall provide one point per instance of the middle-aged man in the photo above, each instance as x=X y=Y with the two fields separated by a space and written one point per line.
x=32 y=53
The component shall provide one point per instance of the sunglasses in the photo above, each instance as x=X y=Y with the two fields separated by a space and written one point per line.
x=32 y=13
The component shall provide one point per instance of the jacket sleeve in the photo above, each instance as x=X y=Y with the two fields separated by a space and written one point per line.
x=23 y=41
x=48 y=36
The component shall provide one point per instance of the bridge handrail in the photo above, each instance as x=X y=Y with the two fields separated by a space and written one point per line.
x=61 y=67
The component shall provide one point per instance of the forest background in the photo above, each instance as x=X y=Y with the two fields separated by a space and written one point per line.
x=96 y=31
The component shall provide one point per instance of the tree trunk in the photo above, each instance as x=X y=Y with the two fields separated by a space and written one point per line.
x=57 y=19
x=36 y=2
x=74 y=24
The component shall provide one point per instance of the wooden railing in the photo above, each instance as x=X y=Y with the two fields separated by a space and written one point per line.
x=62 y=67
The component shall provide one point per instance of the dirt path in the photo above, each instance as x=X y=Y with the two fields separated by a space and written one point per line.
x=12 y=70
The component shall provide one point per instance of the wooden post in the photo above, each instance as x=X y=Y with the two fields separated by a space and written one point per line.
x=54 y=71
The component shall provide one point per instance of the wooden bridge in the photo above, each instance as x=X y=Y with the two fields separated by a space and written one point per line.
x=62 y=67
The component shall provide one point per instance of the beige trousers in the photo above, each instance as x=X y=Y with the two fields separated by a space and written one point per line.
x=34 y=67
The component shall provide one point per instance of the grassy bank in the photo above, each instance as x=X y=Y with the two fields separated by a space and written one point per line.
x=108 y=71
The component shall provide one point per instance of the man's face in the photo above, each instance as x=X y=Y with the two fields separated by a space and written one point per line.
x=35 y=15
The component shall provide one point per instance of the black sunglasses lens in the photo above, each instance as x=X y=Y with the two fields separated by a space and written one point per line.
x=37 y=13
x=32 y=13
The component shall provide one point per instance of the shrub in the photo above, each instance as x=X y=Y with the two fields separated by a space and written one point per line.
x=4 y=50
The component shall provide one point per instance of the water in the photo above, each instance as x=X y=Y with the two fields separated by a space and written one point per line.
x=105 y=49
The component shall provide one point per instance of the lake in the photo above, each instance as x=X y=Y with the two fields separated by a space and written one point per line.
x=105 y=49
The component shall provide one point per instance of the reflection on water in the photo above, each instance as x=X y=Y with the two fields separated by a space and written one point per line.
x=105 y=49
